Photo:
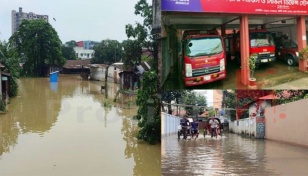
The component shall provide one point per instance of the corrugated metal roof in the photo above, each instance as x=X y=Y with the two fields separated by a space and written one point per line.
x=98 y=65
x=74 y=64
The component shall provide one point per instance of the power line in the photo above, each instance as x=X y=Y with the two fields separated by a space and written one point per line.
x=184 y=105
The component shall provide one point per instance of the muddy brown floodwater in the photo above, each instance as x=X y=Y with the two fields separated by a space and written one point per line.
x=71 y=128
x=231 y=154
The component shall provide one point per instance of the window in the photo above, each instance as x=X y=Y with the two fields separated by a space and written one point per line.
x=81 y=54
x=205 y=46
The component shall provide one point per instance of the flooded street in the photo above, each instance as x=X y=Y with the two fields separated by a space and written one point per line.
x=71 y=128
x=231 y=155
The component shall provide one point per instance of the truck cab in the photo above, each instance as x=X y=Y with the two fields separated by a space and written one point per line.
x=204 y=57
x=287 y=50
x=261 y=43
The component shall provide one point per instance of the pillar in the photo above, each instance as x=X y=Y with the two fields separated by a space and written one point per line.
x=244 y=49
x=223 y=30
x=301 y=40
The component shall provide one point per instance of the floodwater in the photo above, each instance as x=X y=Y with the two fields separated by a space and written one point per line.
x=231 y=154
x=71 y=128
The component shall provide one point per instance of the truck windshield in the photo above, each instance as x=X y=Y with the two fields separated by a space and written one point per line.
x=203 y=46
x=258 y=39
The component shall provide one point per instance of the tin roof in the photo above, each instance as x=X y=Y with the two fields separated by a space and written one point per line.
x=98 y=65
x=76 y=64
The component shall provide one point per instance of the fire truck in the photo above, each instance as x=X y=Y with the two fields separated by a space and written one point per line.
x=261 y=43
x=203 y=56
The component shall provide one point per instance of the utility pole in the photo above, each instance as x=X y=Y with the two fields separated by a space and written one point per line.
x=115 y=54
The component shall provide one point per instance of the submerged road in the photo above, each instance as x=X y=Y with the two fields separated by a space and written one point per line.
x=231 y=154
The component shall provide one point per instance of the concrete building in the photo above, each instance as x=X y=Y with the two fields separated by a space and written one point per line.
x=83 y=54
x=113 y=72
x=87 y=44
x=217 y=99
x=98 y=72
x=17 y=17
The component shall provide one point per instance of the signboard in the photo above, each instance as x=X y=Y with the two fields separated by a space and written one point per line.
x=260 y=128
x=289 y=7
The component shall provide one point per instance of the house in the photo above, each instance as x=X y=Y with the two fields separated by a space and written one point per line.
x=98 y=72
x=257 y=108
x=1 y=69
x=132 y=75
x=83 y=53
x=128 y=78
x=77 y=67
x=254 y=124
x=113 y=72
x=5 y=85
x=51 y=68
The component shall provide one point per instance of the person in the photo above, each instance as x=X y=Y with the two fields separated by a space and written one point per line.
x=213 y=123
x=195 y=129
x=218 y=129
x=184 y=122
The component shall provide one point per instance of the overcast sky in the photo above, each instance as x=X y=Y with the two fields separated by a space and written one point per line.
x=208 y=94
x=76 y=19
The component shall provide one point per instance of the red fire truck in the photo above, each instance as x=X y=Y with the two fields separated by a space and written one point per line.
x=261 y=42
x=204 y=57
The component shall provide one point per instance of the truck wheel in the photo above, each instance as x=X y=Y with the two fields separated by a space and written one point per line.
x=290 y=60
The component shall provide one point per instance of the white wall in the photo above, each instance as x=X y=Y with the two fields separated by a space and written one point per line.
x=97 y=73
x=288 y=123
x=244 y=126
x=169 y=124
x=111 y=71
x=290 y=30
x=84 y=53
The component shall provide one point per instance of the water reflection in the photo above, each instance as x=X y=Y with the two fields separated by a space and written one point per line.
x=231 y=155
x=67 y=130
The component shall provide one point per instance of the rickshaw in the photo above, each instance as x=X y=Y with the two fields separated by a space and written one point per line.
x=207 y=128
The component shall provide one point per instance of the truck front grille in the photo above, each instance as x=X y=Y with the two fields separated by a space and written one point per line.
x=205 y=71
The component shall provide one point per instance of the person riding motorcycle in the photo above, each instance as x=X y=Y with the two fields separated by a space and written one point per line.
x=184 y=122
x=194 y=128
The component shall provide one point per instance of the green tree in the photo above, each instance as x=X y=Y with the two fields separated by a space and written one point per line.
x=286 y=96
x=107 y=52
x=228 y=101
x=68 y=52
x=9 y=58
x=195 y=100
x=141 y=34
x=149 y=109
x=172 y=95
x=245 y=97
x=149 y=131
x=41 y=46
x=212 y=111
x=132 y=52
x=71 y=44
